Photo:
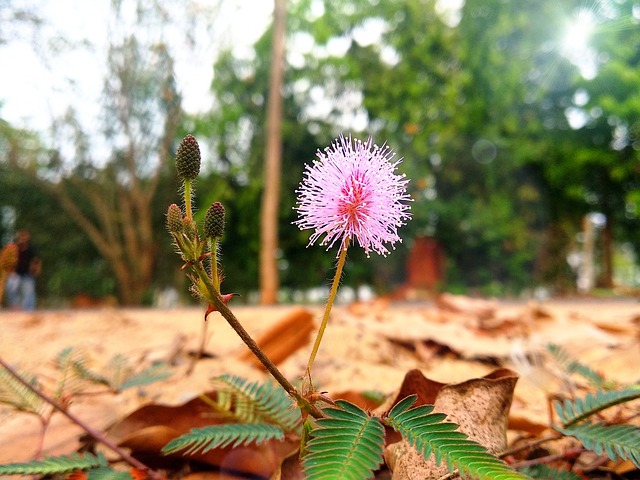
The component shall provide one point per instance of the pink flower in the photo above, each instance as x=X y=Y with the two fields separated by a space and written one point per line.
x=352 y=193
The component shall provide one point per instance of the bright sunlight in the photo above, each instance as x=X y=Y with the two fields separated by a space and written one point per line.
x=574 y=43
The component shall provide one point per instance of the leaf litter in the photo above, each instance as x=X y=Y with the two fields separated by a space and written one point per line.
x=371 y=351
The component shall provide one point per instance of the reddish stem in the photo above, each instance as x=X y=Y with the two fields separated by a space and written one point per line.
x=93 y=433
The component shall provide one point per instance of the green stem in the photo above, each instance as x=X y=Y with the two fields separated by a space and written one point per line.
x=187 y=200
x=216 y=299
x=213 y=248
x=327 y=310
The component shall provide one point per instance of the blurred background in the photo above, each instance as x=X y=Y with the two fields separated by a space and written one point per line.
x=518 y=124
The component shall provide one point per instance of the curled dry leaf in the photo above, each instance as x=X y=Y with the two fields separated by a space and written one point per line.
x=479 y=406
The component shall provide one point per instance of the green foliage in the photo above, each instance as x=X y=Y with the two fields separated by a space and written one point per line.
x=227 y=435
x=155 y=373
x=616 y=441
x=18 y=396
x=260 y=411
x=430 y=434
x=118 y=375
x=572 y=366
x=575 y=411
x=347 y=444
x=68 y=363
x=254 y=402
x=53 y=465
x=545 y=472
x=477 y=107
x=106 y=473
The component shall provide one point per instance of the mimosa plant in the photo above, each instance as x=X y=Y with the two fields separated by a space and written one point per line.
x=351 y=196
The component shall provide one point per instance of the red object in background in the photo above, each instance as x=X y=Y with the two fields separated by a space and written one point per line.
x=425 y=265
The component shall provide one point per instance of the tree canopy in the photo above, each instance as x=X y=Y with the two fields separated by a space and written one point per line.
x=510 y=133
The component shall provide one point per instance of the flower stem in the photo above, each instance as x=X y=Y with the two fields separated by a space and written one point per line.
x=215 y=298
x=327 y=310
x=187 y=199
x=93 y=433
x=213 y=248
x=215 y=280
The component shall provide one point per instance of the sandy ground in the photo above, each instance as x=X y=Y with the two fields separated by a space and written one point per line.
x=367 y=347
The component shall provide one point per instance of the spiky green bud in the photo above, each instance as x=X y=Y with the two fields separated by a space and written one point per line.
x=189 y=228
x=214 y=221
x=174 y=218
x=188 y=158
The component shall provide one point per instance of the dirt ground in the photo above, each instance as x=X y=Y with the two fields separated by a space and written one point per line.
x=366 y=347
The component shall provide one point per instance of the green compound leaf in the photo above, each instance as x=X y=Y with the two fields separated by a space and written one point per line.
x=119 y=375
x=106 y=473
x=430 y=435
x=347 y=444
x=18 y=396
x=570 y=366
x=74 y=375
x=545 y=472
x=55 y=465
x=615 y=441
x=155 y=373
x=252 y=402
x=230 y=434
x=575 y=411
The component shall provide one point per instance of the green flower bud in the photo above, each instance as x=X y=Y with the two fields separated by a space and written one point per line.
x=188 y=158
x=214 y=221
x=174 y=218
x=189 y=228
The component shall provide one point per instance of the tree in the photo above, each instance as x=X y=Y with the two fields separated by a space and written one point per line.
x=479 y=108
x=236 y=137
x=269 y=278
x=451 y=98
x=109 y=192
x=594 y=167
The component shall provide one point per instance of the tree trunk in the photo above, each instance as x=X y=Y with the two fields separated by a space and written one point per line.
x=269 y=278
x=122 y=233
x=606 y=276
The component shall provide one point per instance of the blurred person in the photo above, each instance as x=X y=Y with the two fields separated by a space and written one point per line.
x=21 y=283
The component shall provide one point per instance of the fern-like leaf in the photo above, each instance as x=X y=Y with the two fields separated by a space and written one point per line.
x=229 y=434
x=118 y=376
x=155 y=373
x=69 y=362
x=615 y=441
x=81 y=371
x=575 y=411
x=347 y=444
x=429 y=434
x=17 y=395
x=106 y=473
x=571 y=365
x=118 y=370
x=545 y=472
x=252 y=402
x=53 y=465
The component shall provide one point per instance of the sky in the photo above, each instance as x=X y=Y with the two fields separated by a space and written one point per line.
x=43 y=86
x=37 y=91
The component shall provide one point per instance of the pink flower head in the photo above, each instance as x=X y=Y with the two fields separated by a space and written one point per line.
x=351 y=192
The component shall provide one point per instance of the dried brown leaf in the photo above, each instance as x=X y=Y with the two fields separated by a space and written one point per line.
x=479 y=406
